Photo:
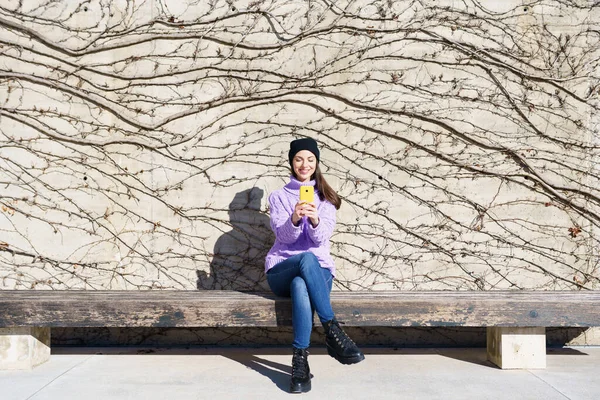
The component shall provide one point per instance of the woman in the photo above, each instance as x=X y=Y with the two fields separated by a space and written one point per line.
x=299 y=264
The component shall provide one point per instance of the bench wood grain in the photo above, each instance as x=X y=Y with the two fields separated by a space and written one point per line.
x=238 y=309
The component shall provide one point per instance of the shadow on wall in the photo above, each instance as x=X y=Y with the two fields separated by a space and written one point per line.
x=238 y=259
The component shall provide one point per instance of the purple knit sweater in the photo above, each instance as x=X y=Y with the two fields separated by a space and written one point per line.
x=291 y=240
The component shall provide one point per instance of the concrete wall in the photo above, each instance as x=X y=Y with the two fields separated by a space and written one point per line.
x=139 y=141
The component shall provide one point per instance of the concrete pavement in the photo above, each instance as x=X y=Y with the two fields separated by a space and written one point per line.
x=247 y=373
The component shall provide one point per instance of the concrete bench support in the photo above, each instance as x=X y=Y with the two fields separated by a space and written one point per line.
x=517 y=348
x=24 y=347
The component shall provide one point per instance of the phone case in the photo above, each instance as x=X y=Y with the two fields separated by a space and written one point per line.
x=307 y=194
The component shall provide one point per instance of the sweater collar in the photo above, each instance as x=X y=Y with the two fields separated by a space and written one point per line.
x=294 y=184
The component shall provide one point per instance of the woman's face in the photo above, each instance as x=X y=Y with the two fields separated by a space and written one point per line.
x=304 y=164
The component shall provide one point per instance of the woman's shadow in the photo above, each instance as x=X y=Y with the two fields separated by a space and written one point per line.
x=278 y=373
x=238 y=258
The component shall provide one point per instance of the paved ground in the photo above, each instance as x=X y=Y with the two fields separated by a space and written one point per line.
x=225 y=373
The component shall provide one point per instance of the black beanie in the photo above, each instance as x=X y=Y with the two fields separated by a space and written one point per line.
x=303 y=144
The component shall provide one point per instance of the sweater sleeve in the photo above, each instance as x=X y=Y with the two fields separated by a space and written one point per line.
x=322 y=232
x=281 y=221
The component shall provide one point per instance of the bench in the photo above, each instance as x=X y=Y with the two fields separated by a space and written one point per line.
x=515 y=320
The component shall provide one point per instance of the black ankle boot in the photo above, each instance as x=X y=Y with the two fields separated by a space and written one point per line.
x=339 y=345
x=300 y=372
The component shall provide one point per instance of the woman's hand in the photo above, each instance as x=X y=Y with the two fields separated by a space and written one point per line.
x=310 y=210
x=305 y=209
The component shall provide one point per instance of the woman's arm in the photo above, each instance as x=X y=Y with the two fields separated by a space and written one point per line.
x=281 y=221
x=322 y=232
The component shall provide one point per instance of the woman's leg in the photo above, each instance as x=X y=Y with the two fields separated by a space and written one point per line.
x=286 y=279
x=302 y=278
x=318 y=282
x=302 y=321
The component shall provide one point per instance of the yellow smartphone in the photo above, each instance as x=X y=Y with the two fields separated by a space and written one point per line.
x=307 y=194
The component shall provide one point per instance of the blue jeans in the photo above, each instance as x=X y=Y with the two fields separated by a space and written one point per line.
x=302 y=278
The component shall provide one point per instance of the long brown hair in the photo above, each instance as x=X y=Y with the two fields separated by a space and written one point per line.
x=326 y=192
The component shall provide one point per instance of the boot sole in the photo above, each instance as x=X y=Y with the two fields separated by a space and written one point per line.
x=345 y=360
x=300 y=388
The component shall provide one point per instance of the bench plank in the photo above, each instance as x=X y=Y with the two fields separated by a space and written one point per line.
x=239 y=309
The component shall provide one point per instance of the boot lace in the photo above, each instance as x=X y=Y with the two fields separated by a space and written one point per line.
x=299 y=364
x=340 y=336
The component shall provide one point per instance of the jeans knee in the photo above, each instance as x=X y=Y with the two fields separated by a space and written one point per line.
x=298 y=286
x=309 y=260
x=299 y=295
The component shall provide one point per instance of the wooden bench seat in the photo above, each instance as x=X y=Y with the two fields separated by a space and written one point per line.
x=516 y=320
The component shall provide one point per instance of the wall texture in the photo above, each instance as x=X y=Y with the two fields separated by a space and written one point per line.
x=139 y=140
